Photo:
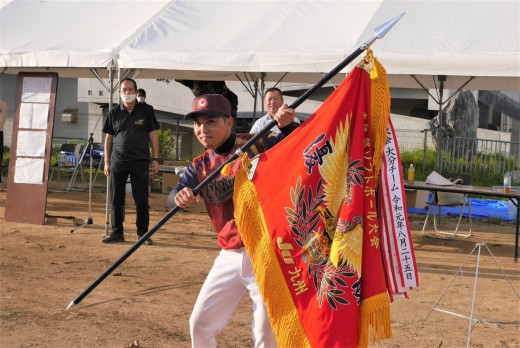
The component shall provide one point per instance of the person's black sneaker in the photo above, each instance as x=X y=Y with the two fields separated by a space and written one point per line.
x=149 y=241
x=113 y=238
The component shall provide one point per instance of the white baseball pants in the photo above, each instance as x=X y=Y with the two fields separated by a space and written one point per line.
x=228 y=279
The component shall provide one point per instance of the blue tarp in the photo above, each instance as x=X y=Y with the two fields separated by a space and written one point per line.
x=480 y=209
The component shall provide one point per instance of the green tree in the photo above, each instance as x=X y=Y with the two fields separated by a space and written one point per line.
x=166 y=144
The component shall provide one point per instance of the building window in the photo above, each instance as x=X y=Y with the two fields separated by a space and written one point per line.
x=89 y=93
x=100 y=93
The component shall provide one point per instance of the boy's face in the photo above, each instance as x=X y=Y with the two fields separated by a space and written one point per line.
x=212 y=131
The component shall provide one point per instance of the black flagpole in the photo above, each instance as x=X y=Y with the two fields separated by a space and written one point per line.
x=380 y=31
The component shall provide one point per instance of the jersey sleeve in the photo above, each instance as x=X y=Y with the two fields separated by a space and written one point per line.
x=188 y=179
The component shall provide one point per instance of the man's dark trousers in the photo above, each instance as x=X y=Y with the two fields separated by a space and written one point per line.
x=139 y=176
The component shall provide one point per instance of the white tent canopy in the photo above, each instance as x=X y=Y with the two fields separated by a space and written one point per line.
x=204 y=39
x=216 y=40
x=70 y=37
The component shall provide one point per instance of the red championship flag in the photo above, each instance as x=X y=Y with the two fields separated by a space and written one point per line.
x=309 y=211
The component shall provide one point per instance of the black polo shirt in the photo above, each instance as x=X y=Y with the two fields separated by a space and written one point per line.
x=131 y=132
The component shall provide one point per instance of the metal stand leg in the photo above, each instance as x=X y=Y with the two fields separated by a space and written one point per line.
x=517 y=232
x=107 y=206
x=470 y=318
x=89 y=221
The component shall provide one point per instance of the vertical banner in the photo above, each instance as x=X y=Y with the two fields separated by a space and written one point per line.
x=31 y=148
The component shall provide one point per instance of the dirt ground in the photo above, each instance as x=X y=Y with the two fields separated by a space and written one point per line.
x=147 y=301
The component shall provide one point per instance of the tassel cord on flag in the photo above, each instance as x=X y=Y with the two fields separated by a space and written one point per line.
x=380 y=32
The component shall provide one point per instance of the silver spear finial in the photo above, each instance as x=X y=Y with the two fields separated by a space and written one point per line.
x=381 y=30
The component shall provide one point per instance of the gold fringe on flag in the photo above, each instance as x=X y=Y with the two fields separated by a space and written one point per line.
x=374 y=321
x=250 y=221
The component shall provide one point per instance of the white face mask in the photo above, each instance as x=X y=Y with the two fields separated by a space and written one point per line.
x=141 y=99
x=128 y=98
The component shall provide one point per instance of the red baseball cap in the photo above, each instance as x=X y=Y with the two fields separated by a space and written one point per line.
x=211 y=105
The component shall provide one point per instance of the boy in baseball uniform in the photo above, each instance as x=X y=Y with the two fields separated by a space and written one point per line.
x=231 y=275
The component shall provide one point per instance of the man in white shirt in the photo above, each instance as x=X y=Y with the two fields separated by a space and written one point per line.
x=273 y=101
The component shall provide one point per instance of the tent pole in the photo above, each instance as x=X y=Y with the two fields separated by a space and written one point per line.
x=177 y=139
x=255 y=100
x=262 y=92
x=281 y=78
x=110 y=106
x=441 y=79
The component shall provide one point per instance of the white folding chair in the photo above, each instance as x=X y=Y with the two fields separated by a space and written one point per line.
x=449 y=199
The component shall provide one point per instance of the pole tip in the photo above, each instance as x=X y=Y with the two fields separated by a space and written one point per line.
x=71 y=304
x=384 y=28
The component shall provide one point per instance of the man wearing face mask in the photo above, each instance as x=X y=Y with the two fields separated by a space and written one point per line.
x=141 y=98
x=130 y=127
